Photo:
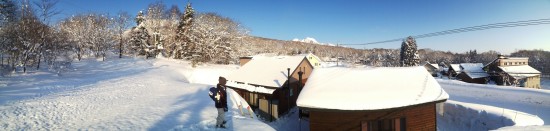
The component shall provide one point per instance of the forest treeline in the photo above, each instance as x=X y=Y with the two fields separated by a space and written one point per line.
x=30 y=40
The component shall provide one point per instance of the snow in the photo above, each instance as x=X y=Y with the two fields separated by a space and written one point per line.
x=520 y=71
x=473 y=70
x=347 y=88
x=251 y=88
x=266 y=71
x=312 y=41
x=307 y=40
x=468 y=116
x=435 y=65
x=163 y=94
x=456 y=67
x=119 y=94
x=535 y=102
x=525 y=128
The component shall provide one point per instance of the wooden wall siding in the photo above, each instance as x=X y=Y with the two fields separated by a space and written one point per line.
x=465 y=78
x=418 y=118
x=513 y=62
x=533 y=82
x=245 y=60
x=268 y=110
x=306 y=67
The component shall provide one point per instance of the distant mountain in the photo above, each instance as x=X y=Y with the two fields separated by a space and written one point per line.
x=307 y=40
x=311 y=41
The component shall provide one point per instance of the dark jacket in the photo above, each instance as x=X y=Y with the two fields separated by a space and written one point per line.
x=222 y=103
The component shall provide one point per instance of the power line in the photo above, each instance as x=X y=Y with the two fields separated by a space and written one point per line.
x=469 y=29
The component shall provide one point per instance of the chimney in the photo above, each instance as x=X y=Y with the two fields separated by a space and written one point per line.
x=500 y=56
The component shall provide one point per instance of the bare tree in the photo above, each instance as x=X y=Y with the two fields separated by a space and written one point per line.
x=120 y=25
x=46 y=11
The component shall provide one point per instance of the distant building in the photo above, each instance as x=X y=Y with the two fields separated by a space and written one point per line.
x=432 y=68
x=454 y=70
x=262 y=81
x=513 y=71
x=473 y=73
x=314 y=60
x=371 y=99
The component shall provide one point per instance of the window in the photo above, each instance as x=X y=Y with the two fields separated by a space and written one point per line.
x=397 y=124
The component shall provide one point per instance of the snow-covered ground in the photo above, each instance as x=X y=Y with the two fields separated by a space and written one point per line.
x=125 y=94
x=164 y=94
x=478 y=106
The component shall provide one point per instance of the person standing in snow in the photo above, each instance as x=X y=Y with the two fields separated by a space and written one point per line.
x=221 y=102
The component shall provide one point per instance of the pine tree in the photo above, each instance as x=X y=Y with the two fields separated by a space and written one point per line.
x=140 y=37
x=409 y=53
x=184 y=35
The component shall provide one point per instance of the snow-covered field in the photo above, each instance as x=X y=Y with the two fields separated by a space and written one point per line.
x=126 y=94
x=164 y=94
x=483 y=107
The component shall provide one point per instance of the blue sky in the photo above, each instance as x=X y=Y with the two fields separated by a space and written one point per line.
x=356 y=22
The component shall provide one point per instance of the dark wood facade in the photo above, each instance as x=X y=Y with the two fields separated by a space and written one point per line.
x=452 y=72
x=464 y=77
x=412 y=118
x=271 y=106
x=244 y=60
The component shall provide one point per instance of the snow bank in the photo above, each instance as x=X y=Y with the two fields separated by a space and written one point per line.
x=525 y=128
x=528 y=100
x=291 y=122
x=469 y=116
x=120 y=94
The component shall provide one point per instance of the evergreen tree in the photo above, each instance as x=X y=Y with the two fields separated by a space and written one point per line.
x=140 y=37
x=184 y=35
x=409 y=53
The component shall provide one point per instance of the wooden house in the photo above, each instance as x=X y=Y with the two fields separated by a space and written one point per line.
x=473 y=73
x=432 y=68
x=271 y=84
x=513 y=71
x=454 y=70
x=371 y=99
x=314 y=60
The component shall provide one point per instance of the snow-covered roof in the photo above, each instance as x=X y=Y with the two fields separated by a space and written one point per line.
x=456 y=67
x=518 y=58
x=266 y=71
x=520 y=71
x=369 y=88
x=473 y=70
x=435 y=65
x=250 y=88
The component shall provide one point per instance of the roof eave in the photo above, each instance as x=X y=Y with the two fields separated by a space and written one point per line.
x=376 y=110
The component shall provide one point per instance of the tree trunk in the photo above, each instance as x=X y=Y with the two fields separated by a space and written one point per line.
x=120 y=49
x=79 y=54
x=38 y=65
x=25 y=63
